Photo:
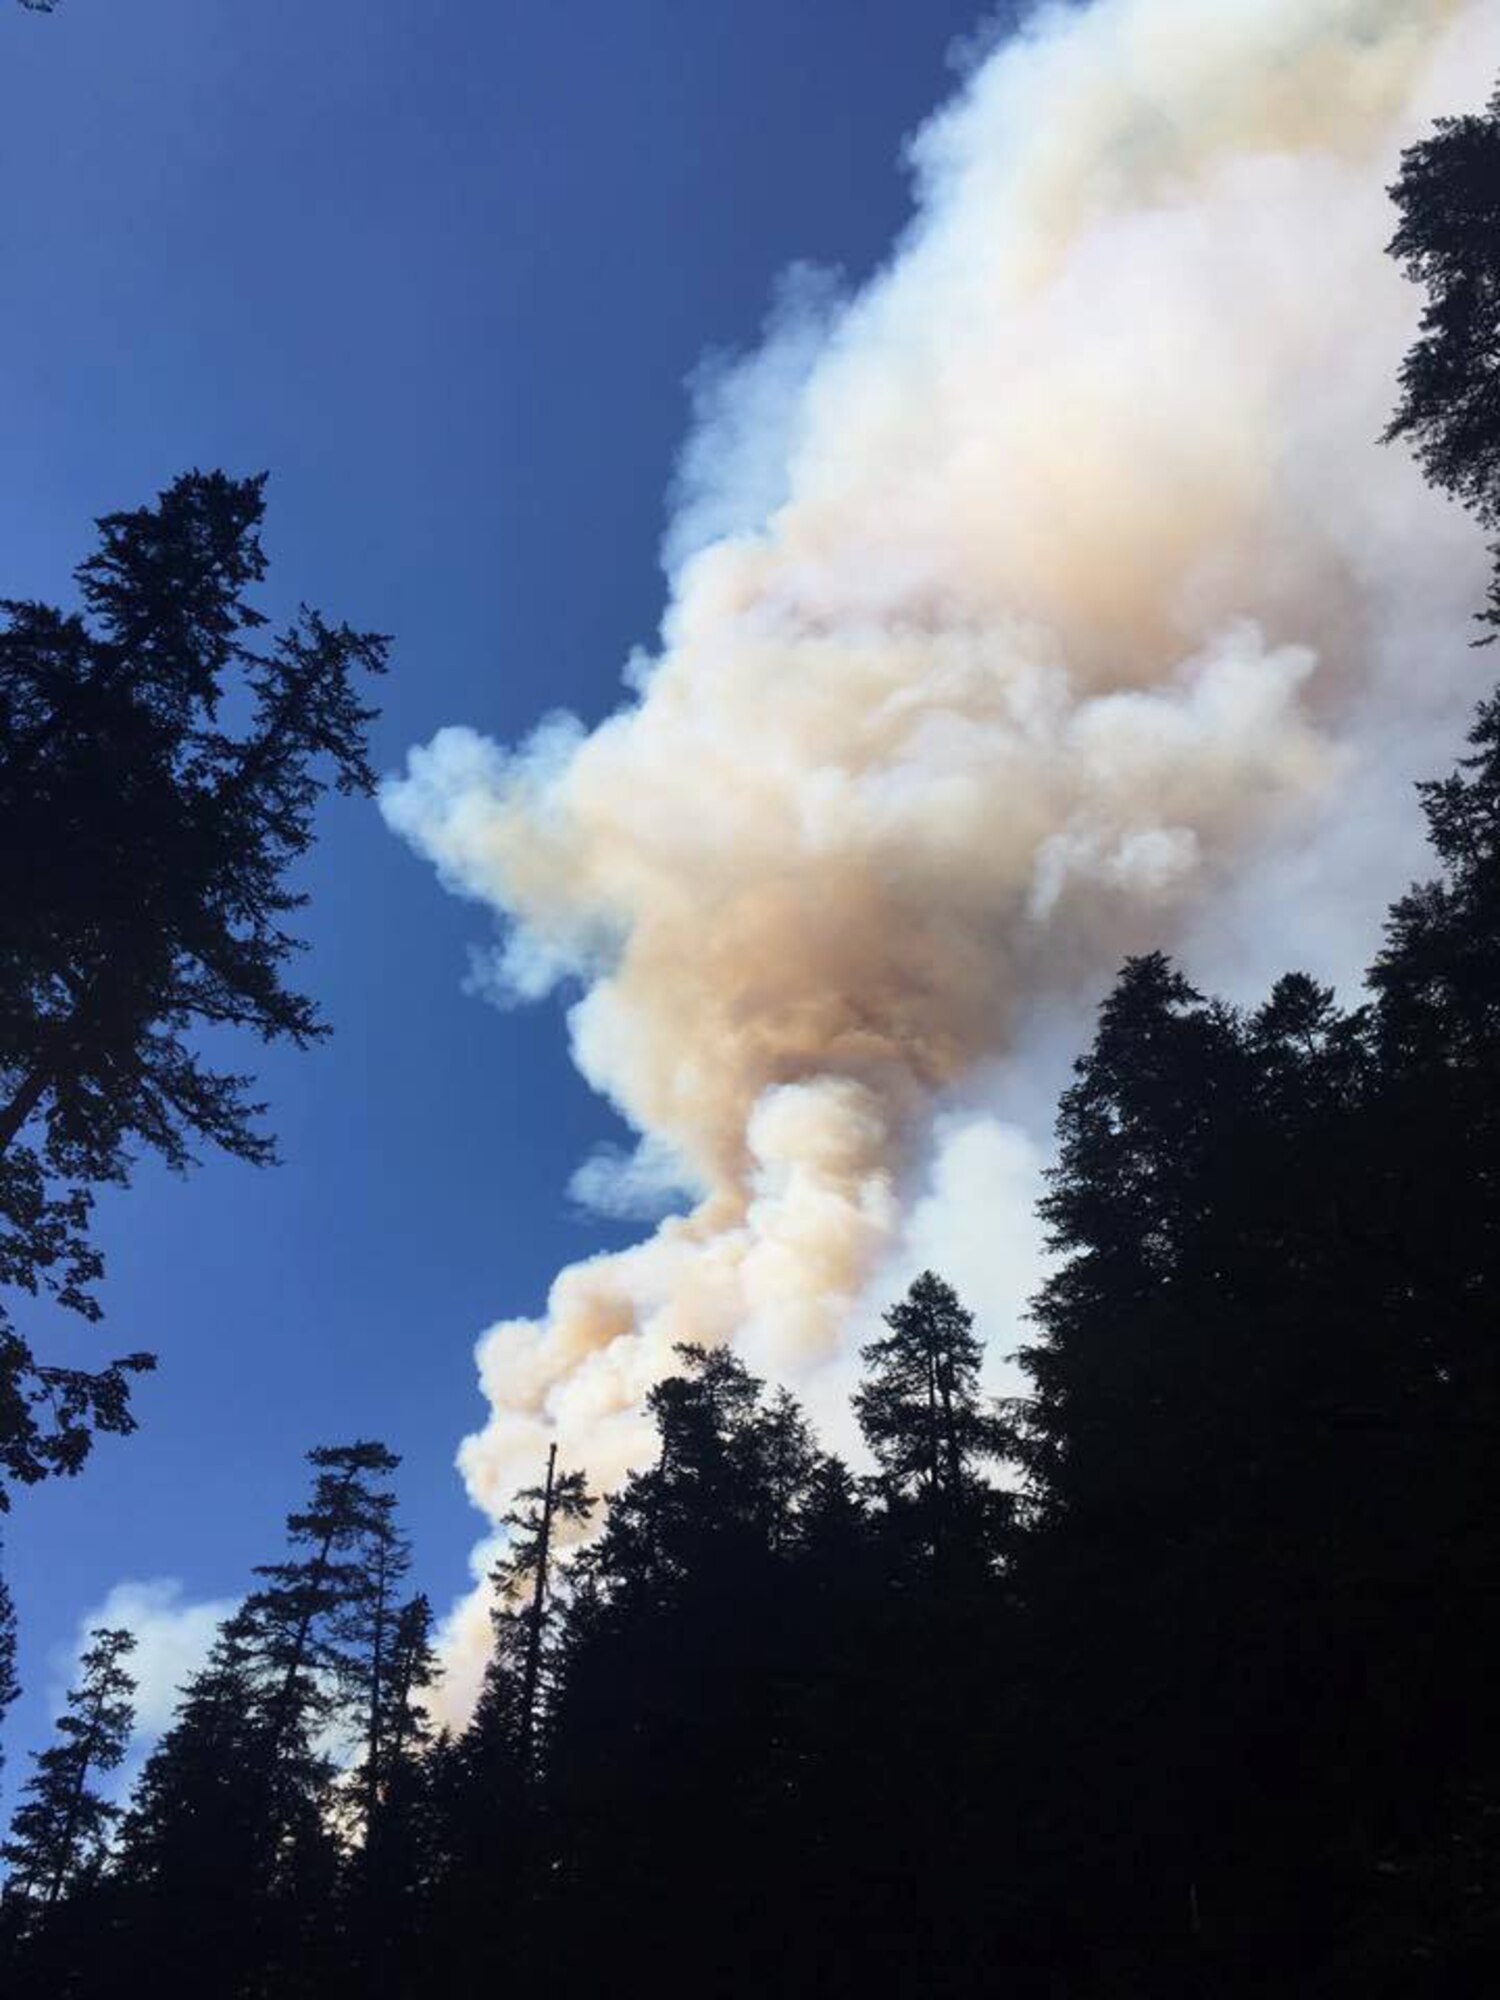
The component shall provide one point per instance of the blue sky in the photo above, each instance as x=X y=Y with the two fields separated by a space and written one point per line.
x=443 y=269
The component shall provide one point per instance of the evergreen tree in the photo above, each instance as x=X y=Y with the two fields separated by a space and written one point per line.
x=526 y=1573
x=921 y=1412
x=314 y=1607
x=488 y=1791
x=214 y=1837
x=368 y=1636
x=229 y=1854
x=60 y=1832
x=1143 y=1137
x=145 y=849
x=1437 y=979
x=783 y=1465
x=197 y=1822
x=393 y=1871
x=1449 y=242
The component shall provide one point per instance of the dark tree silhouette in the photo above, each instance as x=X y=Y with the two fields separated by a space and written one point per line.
x=227 y=1856
x=525 y=1575
x=313 y=1608
x=367 y=1630
x=145 y=851
x=194 y=1821
x=1449 y=242
x=59 y=1832
x=231 y=1852
x=921 y=1412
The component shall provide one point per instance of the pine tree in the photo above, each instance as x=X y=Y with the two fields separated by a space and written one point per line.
x=413 y=1669
x=145 y=850
x=368 y=1636
x=783 y=1464
x=314 y=1607
x=1144 y=1138
x=404 y=1733
x=198 y=1831
x=526 y=1574
x=60 y=1832
x=211 y=1844
x=230 y=1851
x=393 y=1872
x=922 y=1414
x=1449 y=197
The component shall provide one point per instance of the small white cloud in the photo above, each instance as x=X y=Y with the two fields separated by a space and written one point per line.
x=173 y=1635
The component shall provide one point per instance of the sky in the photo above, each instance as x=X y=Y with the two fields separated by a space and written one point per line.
x=840 y=609
x=445 y=271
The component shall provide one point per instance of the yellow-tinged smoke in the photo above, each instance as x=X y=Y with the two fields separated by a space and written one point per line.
x=1019 y=607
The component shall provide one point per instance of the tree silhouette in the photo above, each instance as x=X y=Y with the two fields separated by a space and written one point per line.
x=921 y=1412
x=320 y=1597
x=230 y=1855
x=405 y=1730
x=59 y=1832
x=145 y=848
x=390 y=1875
x=1449 y=242
x=526 y=1570
x=188 y=1822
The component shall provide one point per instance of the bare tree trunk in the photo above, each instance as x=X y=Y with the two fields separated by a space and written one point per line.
x=25 y=1101
x=950 y=1432
x=538 y=1612
x=934 y=1490
x=377 y=1665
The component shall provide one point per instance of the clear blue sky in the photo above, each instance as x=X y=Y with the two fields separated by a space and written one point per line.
x=442 y=267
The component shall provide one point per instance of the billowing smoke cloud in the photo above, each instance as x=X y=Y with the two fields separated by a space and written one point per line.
x=1048 y=599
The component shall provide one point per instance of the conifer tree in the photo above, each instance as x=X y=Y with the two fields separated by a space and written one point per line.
x=392 y=1873
x=208 y=1849
x=368 y=1635
x=405 y=1730
x=525 y=1575
x=1144 y=1134
x=314 y=1606
x=921 y=1412
x=60 y=1831
x=230 y=1850
x=198 y=1829
x=783 y=1461
x=1449 y=197
x=145 y=851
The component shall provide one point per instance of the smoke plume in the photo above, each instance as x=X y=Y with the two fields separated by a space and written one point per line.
x=1048 y=599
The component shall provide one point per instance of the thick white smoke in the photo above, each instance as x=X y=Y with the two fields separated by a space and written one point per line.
x=1050 y=599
